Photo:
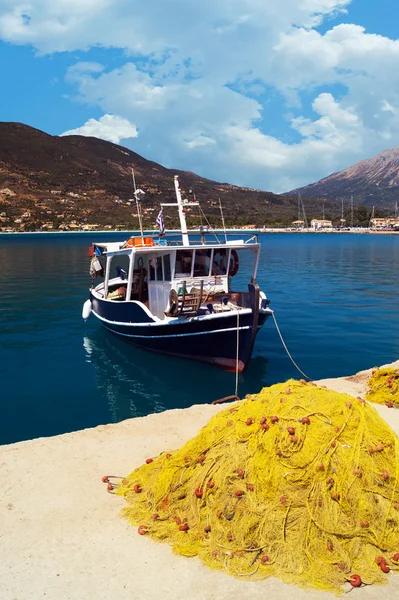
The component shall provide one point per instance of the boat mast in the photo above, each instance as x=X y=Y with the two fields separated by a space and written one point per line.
x=138 y=206
x=181 y=206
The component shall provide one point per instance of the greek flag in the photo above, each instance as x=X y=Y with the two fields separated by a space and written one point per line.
x=160 y=222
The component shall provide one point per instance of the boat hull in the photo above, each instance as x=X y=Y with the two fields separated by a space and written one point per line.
x=210 y=339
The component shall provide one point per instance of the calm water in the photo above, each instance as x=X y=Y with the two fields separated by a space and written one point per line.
x=335 y=299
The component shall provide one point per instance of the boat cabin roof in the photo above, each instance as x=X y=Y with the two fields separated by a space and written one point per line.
x=163 y=246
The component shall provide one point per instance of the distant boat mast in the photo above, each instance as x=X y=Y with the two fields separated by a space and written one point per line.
x=342 y=220
x=301 y=207
x=372 y=217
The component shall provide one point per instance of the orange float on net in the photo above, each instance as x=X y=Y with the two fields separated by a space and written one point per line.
x=142 y=530
x=364 y=524
x=105 y=479
x=355 y=580
x=384 y=567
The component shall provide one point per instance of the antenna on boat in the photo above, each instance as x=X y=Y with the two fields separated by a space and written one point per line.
x=136 y=195
x=352 y=211
x=224 y=227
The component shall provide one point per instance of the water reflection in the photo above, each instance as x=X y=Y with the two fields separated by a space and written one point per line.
x=136 y=382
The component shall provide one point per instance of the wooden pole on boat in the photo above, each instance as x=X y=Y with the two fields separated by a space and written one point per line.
x=138 y=207
x=224 y=227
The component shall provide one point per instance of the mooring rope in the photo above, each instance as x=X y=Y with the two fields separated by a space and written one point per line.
x=285 y=347
x=237 y=349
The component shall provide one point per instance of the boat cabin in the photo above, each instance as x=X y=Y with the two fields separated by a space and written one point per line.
x=173 y=281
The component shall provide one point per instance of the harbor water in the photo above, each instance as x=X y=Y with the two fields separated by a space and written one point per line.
x=335 y=299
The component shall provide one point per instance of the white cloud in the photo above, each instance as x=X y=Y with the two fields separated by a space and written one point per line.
x=109 y=127
x=197 y=77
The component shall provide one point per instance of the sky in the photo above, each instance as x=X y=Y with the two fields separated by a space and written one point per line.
x=264 y=94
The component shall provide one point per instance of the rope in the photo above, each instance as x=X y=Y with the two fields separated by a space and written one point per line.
x=237 y=349
x=286 y=349
x=211 y=230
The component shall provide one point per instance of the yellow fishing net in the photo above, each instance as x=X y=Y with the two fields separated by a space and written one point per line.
x=384 y=387
x=297 y=482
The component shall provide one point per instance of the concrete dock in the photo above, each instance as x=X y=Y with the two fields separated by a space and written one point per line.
x=61 y=538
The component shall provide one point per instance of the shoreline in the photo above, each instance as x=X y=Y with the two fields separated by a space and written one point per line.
x=354 y=230
x=62 y=537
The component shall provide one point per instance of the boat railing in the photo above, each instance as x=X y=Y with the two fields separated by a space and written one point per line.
x=169 y=241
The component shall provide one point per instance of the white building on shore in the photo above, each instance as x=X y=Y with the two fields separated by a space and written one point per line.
x=318 y=224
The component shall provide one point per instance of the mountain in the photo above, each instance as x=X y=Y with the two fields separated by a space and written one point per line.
x=76 y=179
x=73 y=181
x=371 y=182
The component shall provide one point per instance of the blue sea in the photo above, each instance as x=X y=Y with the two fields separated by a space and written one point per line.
x=335 y=299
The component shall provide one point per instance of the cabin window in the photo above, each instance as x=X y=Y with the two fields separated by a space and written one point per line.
x=219 y=263
x=152 y=264
x=159 y=268
x=202 y=263
x=183 y=263
x=167 y=273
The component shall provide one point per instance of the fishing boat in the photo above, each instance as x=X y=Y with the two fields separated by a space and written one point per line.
x=176 y=296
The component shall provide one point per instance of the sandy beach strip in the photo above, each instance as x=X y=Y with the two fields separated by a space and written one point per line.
x=60 y=535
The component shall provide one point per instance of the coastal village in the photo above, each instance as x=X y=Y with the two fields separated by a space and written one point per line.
x=68 y=211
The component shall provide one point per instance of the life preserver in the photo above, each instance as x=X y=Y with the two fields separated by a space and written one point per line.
x=235 y=265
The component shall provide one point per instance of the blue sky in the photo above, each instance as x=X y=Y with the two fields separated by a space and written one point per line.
x=269 y=95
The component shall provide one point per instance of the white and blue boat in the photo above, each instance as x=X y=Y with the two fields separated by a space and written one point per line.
x=177 y=296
